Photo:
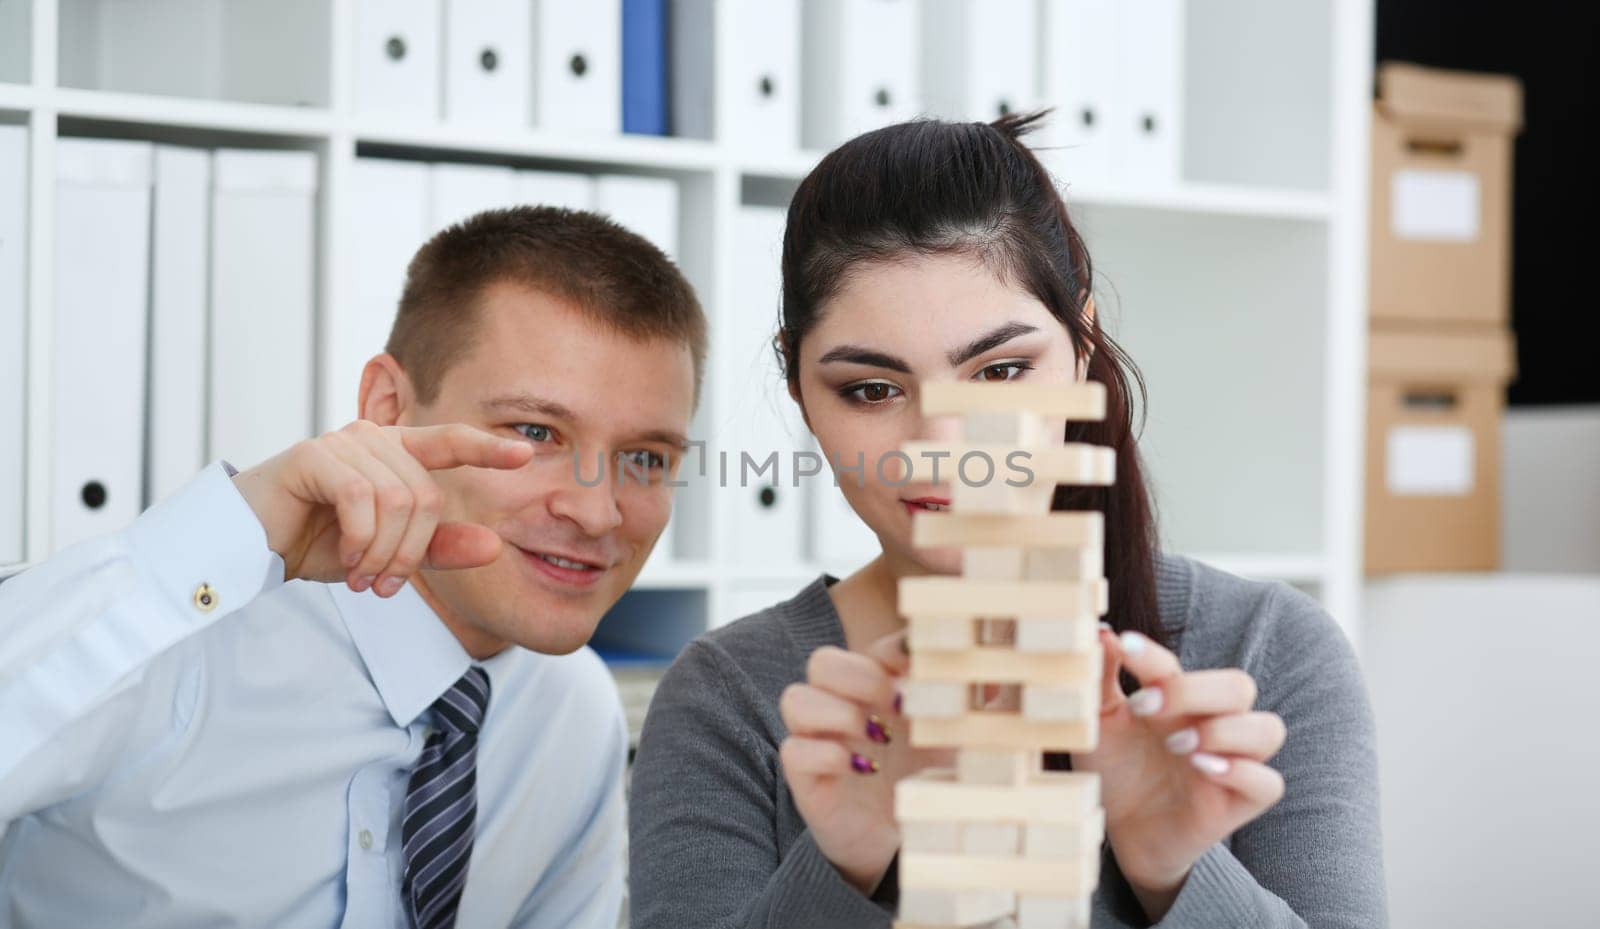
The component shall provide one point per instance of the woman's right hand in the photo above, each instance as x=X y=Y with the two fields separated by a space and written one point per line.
x=358 y=503
x=845 y=751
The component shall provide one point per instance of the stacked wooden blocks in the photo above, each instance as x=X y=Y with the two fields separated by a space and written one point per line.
x=1006 y=665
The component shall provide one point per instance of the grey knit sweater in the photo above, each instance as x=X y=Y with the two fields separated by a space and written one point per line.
x=716 y=840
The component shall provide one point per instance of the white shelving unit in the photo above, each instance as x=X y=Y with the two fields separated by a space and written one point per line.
x=1239 y=290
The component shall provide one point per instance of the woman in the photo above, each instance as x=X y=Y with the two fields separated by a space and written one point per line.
x=762 y=792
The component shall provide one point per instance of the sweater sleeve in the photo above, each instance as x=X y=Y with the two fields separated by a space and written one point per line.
x=1315 y=858
x=703 y=848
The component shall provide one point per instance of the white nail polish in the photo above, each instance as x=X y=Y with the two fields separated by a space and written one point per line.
x=1146 y=702
x=1210 y=764
x=1132 y=643
x=1183 y=741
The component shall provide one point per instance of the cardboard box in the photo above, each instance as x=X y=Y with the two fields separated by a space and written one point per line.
x=1441 y=195
x=1434 y=404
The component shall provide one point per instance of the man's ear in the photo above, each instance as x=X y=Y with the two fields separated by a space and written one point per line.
x=386 y=394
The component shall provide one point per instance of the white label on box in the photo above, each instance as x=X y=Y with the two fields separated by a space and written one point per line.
x=1433 y=461
x=1438 y=205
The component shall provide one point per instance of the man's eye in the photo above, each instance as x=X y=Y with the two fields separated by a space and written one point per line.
x=642 y=459
x=871 y=392
x=534 y=431
x=1004 y=371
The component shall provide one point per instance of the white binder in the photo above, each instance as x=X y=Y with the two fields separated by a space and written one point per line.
x=181 y=233
x=1079 y=64
x=102 y=289
x=766 y=516
x=555 y=188
x=13 y=338
x=764 y=93
x=263 y=239
x=1147 y=135
x=488 y=76
x=388 y=222
x=860 y=66
x=979 y=58
x=460 y=192
x=577 y=84
x=646 y=205
x=397 y=73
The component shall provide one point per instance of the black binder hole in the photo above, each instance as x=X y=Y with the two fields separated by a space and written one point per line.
x=489 y=60
x=94 y=495
x=1086 y=116
x=395 y=48
x=766 y=86
x=579 y=65
x=882 y=98
x=768 y=496
x=1148 y=124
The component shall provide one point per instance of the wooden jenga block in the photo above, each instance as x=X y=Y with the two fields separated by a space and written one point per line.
x=1018 y=427
x=1064 y=840
x=992 y=463
x=997 y=663
x=1005 y=730
x=991 y=840
x=941 y=633
x=999 y=768
x=998 y=497
x=923 y=700
x=994 y=563
x=935 y=838
x=1066 y=564
x=1040 y=912
x=1066 y=877
x=1060 y=797
x=921 y=907
x=1081 y=402
x=1049 y=635
x=1056 y=702
x=1040 y=530
x=957 y=597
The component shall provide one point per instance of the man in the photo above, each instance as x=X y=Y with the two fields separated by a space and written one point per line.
x=347 y=686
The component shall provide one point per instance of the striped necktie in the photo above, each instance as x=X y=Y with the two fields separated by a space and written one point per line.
x=441 y=805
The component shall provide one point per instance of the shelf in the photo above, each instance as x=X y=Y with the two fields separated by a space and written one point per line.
x=1218 y=199
x=632 y=151
x=257 y=119
x=20 y=97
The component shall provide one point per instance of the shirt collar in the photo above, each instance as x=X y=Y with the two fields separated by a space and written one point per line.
x=411 y=656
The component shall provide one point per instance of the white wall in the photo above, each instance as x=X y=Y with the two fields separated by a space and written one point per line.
x=1551 y=502
x=1489 y=748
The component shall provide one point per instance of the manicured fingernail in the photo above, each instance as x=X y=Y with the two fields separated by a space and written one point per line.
x=389 y=585
x=877 y=731
x=1183 y=741
x=863 y=765
x=1210 y=764
x=363 y=583
x=1133 y=643
x=1146 y=702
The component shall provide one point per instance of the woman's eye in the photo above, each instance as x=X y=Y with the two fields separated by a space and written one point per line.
x=1005 y=371
x=535 y=432
x=872 y=392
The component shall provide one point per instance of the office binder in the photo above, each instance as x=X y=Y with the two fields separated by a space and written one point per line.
x=764 y=97
x=459 y=192
x=13 y=338
x=263 y=237
x=691 y=84
x=578 y=66
x=488 y=62
x=387 y=223
x=180 y=247
x=1078 y=54
x=979 y=57
x=644 y=67
x=397 y=69
x=98 y=378
x=859 y=61
x=646 y=205
x=1146 y=138
x=555 y=188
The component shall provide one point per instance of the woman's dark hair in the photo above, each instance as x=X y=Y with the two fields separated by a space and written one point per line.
x=937 y=188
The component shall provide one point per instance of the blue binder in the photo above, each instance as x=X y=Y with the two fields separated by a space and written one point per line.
x=644 y=67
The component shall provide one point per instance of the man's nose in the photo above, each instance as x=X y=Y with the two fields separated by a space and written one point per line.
x=588 y=499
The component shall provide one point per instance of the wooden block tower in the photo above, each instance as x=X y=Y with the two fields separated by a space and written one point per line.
x=1006 y=665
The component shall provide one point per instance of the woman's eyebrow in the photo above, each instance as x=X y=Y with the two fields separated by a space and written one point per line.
x=864 y=356
x=997 y=337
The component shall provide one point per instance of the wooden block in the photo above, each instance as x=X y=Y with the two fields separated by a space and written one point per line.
x=1084 y=401
x=958 y=597
x=923 y=700
x=1065 y=564
x=1047 y=797
x=1005 y=664
x=1042 y=530
x=999 y=498
x=940 y=634
x=992 y=840
x=937 y=838
x=999 y=768
x=1018 y=427
x=1058 y=840
x=1054 y=702
x=1006 y=730
x=1066 y=878
x=1039 y=912
x=995 y=463
x=1054 y=636
x=993 y=563
x=923 y=907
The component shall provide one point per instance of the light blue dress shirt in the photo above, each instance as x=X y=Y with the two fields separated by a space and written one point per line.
x=169 y=758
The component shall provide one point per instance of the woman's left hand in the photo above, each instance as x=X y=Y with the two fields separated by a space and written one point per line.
x=1182 y=763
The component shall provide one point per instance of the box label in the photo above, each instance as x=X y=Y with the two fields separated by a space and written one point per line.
x=1429 y=461
x=1440 y=206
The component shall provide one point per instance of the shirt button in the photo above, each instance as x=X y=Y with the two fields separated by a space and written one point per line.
x=365 y=838
x=205 y=599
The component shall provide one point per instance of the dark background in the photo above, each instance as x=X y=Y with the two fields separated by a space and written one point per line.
x=1552 y=46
